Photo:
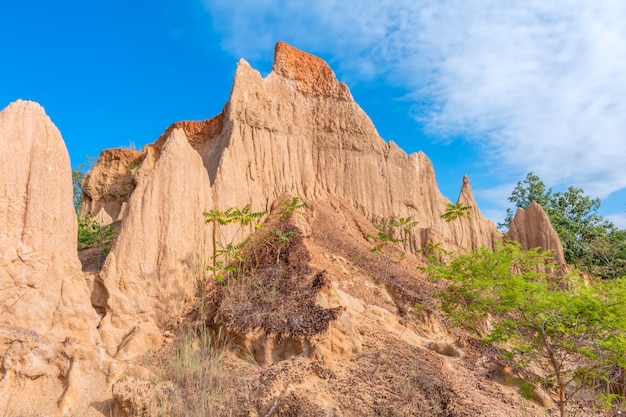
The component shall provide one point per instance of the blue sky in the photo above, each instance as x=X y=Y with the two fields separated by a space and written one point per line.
x=492 y=89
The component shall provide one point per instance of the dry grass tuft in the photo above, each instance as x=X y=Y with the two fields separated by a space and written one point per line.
x=209 y=382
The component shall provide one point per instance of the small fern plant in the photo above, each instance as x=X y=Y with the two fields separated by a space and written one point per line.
x=227 y=253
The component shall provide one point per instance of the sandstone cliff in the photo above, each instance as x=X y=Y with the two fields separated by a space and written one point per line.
x=333 y=328
x=295 y=132
x=152 y=269
x=298 y=131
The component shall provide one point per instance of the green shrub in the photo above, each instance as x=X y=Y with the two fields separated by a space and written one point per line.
x=91 y=233
x=572 y=327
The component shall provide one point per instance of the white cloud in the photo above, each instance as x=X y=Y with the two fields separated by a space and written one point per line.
x=619 y=219
x=541 y=84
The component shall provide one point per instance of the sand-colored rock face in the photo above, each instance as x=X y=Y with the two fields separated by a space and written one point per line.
x=476 y=229
x=108 y=185
x=532 y=228
x=41 y=284
x=301 y=133
x=296 y=132
x=151 y=270
x=48 y=328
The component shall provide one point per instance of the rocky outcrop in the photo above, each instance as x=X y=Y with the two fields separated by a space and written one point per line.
x=296 y=132
x=48 y=335
x=299 y=132
x=304 y=135
x=107 y=186
x=41 y=285
x=532 y=228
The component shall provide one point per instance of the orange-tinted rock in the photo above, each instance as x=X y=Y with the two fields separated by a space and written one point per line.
x=312 y=75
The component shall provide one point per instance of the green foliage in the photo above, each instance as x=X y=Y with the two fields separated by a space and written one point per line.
x=456 y=211
x=435 y=253
x=224 y=259
x=91 y=233
x=589 y=241
x=78 y=174
x=77 y=180
x=133 y=166
x=279 y=239
x=574 y=217
x=606 y=255
x=569 y=327
x=382 y=238
x=403 y=227
x=526 y=191
x=289 y=207
x=398 y=231
x=227 y=256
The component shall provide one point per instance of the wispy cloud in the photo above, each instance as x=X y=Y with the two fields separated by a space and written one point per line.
x=540 y=84
x=619 y=219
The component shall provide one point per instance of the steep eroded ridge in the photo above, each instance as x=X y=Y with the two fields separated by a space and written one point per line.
x=296 y=132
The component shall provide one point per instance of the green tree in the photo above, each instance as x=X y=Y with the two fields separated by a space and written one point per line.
x=606 y=256
x=78 y=174
x=569 y=327
x=77 y=180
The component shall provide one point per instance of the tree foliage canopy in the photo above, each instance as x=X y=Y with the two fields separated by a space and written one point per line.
x=570 y=327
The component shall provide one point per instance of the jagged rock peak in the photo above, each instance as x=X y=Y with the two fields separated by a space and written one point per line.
x=532 y=228
x=311 y=74
x=477 y=230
